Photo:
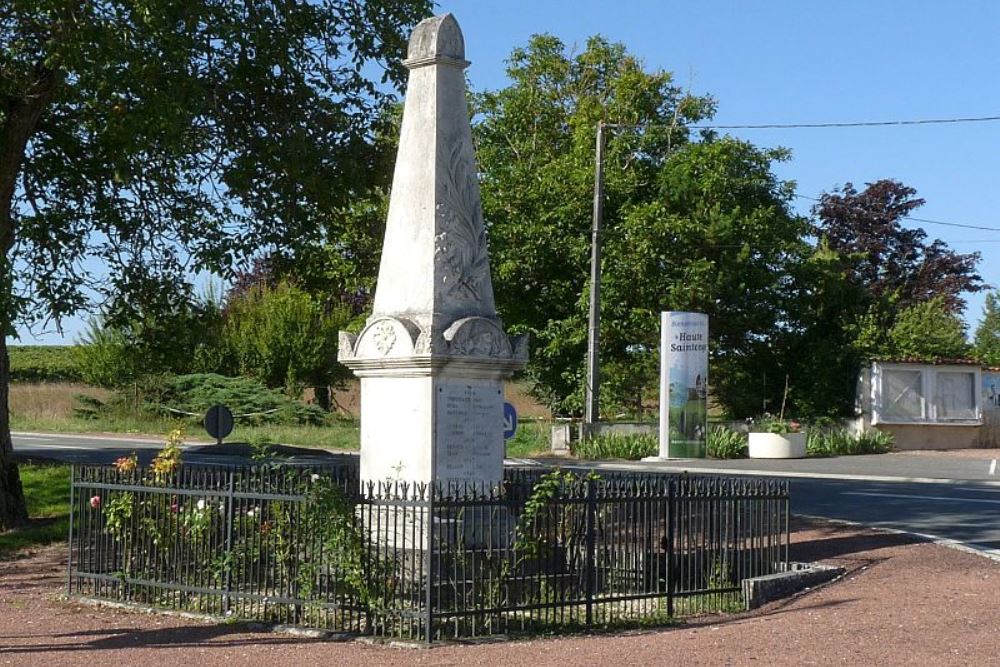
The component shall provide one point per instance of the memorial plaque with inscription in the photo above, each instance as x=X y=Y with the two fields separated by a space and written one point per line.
x=469 y=430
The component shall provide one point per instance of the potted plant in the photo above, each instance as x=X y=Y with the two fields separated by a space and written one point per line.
x=776 y=438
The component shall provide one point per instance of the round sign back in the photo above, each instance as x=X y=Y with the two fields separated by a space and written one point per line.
x=219 y=422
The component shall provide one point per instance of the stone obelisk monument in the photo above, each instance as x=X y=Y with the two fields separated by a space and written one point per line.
x=433 y=356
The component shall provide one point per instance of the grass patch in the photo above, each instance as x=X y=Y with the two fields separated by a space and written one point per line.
x=532 y=438
x=46 y=488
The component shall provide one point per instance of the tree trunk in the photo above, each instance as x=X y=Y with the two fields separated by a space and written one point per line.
x=322 y=396
x=19 y=124
x=13 y=511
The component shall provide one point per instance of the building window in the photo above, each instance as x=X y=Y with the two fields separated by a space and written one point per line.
x=917 y=394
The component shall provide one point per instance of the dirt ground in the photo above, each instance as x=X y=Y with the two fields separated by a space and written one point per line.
x=902 y=602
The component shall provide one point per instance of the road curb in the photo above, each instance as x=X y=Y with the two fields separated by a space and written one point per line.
x=783 y=473
x=991 y=554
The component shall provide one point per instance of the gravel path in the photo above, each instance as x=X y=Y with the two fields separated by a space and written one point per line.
x=902 y=603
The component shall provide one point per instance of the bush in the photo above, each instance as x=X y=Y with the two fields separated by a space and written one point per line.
x=841 y=442
x=44 y=363
x=174 y=396
x=628 y=446
x=198 y=392
x=284 y=337
x=182 y=338
x=725 y=443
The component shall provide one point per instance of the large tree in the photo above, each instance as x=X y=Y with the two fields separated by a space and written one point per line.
x=890 y=260
x=697 y=223
x=160 y=137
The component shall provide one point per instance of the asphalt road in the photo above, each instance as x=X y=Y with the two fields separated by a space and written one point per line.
x=105 y=449
x=947 y=499
x=964 y=512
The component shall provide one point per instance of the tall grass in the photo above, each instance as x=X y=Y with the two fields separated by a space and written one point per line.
x=725 y=443
x=841 y=442
x=48 y=403
x=628 y=446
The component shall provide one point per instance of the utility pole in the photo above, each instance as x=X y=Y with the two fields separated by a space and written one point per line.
x=593 y=387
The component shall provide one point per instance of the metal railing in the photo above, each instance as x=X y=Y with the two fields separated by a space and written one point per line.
x=311 y=546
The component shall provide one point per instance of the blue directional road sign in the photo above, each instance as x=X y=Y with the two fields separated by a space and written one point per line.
x=509 y=421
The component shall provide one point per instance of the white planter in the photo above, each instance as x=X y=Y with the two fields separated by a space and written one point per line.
x=777 y=445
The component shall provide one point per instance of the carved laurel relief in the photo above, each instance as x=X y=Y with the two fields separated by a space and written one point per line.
x=460 y=249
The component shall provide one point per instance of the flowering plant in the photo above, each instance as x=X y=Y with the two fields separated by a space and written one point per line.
x=169 y=457
x=126 y=465
x=768 y=423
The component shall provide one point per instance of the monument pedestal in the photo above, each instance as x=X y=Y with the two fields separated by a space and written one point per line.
x=448 y=429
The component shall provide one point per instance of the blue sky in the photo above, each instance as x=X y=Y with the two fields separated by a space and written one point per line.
x=804 y=62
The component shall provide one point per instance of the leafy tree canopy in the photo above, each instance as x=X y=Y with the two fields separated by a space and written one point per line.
x=928 y=331
x=159 y=137
x=889 y=259
x=987 y=340
x=700 y=225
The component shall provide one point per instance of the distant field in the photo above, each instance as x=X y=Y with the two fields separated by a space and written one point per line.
x=44 y=363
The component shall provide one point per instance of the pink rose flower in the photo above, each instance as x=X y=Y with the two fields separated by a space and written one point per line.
x=95 y=502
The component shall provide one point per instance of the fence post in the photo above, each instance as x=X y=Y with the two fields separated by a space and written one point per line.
x=671 y=522
x=589 y=564
x=788 y=530
x=429 y=583
x=72 y=506
x=230 y=493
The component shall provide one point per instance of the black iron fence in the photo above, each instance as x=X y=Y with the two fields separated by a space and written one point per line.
x=310 y=546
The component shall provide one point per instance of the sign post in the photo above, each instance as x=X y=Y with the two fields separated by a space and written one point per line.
x=683 y=385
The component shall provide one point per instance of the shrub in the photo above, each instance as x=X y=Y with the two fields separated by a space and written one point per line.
x=182 y=338
x=44 y=363
x=873 y=441
x=174 y=396
x=841 y=442
x=629 y=446
x=725 y=443
x=283 y=337
x=768 y=423
x=197 y=392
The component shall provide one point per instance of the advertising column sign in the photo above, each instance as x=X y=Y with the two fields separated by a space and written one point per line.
x=683 y=385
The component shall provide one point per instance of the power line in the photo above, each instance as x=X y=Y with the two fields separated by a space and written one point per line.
x=925 y=220
x=796 y=126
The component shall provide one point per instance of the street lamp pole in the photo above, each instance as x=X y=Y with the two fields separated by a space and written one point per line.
x=593 y=388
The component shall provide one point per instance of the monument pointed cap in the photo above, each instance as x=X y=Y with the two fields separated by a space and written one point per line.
x=436 y=41
x=434 y=296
